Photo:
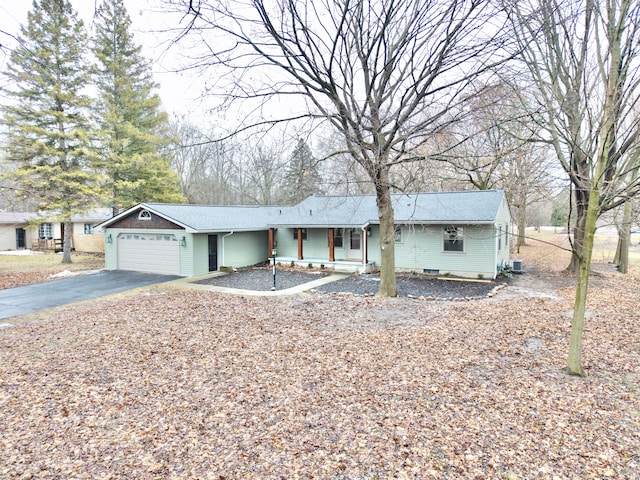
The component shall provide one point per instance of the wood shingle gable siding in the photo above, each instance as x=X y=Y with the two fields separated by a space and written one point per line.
x=155 y=222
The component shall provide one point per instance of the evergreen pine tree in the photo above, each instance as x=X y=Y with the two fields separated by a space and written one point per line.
x=48 y=133
x=133 y=128
x=301 y=174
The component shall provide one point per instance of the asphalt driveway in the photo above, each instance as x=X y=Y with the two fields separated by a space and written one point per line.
x=31 y=298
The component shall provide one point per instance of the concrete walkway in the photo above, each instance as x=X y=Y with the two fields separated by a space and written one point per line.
x=189 y=283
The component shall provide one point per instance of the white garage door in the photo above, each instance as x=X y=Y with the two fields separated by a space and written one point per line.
x=144 y=252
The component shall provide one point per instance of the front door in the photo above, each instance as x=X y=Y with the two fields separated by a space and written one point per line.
x=21 y=238
x=213 y=253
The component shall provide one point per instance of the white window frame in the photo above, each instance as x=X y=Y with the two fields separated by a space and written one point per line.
x=45 y=230
x=458 y=231
x=338 y=233
x=88 y=228
x=398 y=234
x=354 y=234
x=144 y=215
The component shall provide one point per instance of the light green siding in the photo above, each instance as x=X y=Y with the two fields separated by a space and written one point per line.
x=373 y=242
x=110 y=249
x=503 y=227
x=422 y=248
x=242 y=249
x=200 y=252
x=286 y=246
x=316 y=246
x=237 y=250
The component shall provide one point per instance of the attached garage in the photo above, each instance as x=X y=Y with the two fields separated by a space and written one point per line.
x=186 y=240
x=145 y=252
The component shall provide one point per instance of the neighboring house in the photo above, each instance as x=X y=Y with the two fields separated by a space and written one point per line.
x=15 y=233
x=460 y=233
x=30 y=230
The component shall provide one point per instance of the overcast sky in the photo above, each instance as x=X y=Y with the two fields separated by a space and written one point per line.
x=180 y=92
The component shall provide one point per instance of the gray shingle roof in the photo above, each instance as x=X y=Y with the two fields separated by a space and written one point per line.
x=16 y=217
x=93 y=216
x=214 y=218
x=469 y=207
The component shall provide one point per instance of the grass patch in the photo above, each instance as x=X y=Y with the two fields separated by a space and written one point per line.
x=49 y=261
x=604 y=248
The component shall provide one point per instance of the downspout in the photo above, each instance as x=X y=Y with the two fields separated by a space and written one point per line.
x=223 y=237
x=365 y=245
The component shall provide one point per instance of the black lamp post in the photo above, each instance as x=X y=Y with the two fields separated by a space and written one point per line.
x=273 y=254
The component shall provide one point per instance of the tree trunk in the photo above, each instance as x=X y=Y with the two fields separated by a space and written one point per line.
x=607 y=142
x=387 y=241
x=624 y=233
x=66 y=242
x=624 y=238
x=522 y=225
x=616 y=256
x=578 y=236
x=574 y=360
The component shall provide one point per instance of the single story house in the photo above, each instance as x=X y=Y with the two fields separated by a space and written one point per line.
x=31 y=230
x=458 y=233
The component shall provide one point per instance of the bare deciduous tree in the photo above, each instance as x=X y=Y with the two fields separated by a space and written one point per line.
x=386 y=74
x=583 y=58
x=263 y=166
x=624 y=229
x=495 y=146
x=204 y=168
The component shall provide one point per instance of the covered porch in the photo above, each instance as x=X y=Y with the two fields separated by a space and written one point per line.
x=343 y=249
x=349 y=266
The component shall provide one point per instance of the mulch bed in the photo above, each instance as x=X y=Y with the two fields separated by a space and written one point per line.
x=413 y=285
x=261 y=278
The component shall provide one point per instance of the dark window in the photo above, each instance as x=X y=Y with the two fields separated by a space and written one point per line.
x=453 y=239
x=355 y=240
x=337 y=237
x=88 y=228
x=295 y=234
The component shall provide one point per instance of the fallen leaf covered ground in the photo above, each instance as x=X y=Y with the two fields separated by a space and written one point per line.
x=171 y=383
x=17 y=271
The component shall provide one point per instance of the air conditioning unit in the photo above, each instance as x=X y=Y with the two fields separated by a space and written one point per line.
x=516 y=266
